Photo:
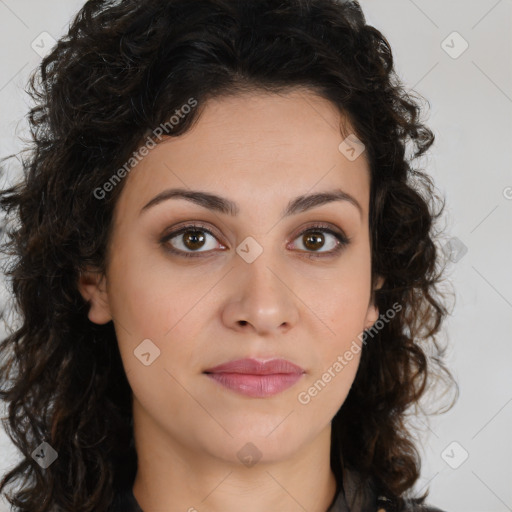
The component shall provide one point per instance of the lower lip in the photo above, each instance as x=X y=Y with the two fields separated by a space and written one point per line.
x=256 y=386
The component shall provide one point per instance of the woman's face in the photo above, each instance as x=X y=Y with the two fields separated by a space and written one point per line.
x=257 y=283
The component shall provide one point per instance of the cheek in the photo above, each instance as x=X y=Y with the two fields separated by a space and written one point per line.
x=150 y=303
x=163 y=301
x=342 y=305
x=341 y=301
x=338 y=353
x=322 y=395
x=150 y=294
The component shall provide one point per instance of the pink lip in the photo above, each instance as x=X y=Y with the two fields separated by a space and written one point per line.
x=256 y=378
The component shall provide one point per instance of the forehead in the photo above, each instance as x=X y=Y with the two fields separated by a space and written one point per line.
x=253 y=147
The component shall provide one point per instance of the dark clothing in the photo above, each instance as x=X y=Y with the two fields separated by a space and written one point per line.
x=344 y=501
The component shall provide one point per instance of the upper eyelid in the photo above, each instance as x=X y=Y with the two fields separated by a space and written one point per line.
x=192 y=225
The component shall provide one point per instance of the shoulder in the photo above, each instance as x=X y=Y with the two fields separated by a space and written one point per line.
x=371 y=495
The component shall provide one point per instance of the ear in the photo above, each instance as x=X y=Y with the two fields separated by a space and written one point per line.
x=92 y=286
x=372 y=314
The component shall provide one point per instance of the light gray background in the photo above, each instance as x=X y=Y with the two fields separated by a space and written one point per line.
x=471 y=162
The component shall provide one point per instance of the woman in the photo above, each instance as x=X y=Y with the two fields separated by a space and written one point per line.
x=224 y=265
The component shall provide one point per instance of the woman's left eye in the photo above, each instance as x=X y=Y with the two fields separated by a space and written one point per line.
x=193 y=241
x=313 y=239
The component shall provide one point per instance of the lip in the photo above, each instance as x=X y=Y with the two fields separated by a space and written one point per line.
x=257 y=379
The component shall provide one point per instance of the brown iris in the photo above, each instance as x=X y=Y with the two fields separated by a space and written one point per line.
x=193 y=239
x=313 y=240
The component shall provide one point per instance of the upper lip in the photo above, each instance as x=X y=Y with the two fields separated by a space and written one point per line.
x=256 y=367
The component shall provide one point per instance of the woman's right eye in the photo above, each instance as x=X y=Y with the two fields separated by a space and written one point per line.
x=190 y=240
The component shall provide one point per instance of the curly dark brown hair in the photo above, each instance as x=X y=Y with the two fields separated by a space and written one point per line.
x=121 y=70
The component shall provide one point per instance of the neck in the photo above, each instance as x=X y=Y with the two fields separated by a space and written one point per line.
x=174 y=477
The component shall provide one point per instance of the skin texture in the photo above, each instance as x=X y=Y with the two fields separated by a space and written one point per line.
x=261 y=151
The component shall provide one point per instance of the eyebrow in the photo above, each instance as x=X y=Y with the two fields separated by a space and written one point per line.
x=226 y=206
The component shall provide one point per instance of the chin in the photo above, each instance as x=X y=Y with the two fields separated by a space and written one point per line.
x=259 y=442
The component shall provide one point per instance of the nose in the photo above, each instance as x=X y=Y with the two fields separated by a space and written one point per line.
x=261 y=298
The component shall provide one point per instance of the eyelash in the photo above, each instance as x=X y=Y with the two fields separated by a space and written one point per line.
x=341 y=238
